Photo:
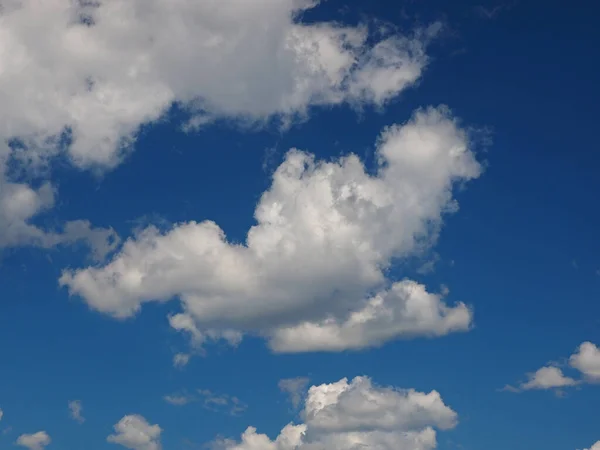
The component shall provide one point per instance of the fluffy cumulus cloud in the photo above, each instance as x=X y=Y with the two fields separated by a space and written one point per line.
x=586 y=360
x=312 y=273
x=352 y=415
x=96 y=71
x=79 y=78
x=548 y=377
x=405 y=309
x=134 y=432
x=35 y=441
x=596 y=446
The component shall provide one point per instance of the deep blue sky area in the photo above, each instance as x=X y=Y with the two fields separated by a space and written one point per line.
x=523 y=249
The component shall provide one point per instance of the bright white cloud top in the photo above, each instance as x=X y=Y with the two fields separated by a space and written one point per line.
x=357 y=414
x=312 y=272
x=104 y=68
x=587 y=360
x=81 y=78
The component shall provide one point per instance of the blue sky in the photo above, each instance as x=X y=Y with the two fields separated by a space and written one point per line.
x=521 y=251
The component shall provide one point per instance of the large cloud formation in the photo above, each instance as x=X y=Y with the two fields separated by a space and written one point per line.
x=355 y=415
x=79 y=78
x=101 y=69
x=312 y=272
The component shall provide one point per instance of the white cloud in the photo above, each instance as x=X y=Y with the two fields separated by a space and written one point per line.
x=179 y=399
x=101 y=69
x=135 y=433
x=35 y=441
x=1 y=414
x=406 y=309
x=76 y=410
x=587 y=361
x=210 y=400
x=548 y=377
x=222 y=402
x=185 y=323
x=79 y=78
x=295 y=388
x=181 y=360
x=312 y=272
x=347 y=416
x=20 y=203
x=596 y=446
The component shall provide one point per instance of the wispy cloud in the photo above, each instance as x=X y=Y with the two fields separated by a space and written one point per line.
x=181 y=360
x=222 y=402
x=209 y=400
x=492 y=12
x=428 y=265
x=76 y=411
x=295 y=388
x=179 y=399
